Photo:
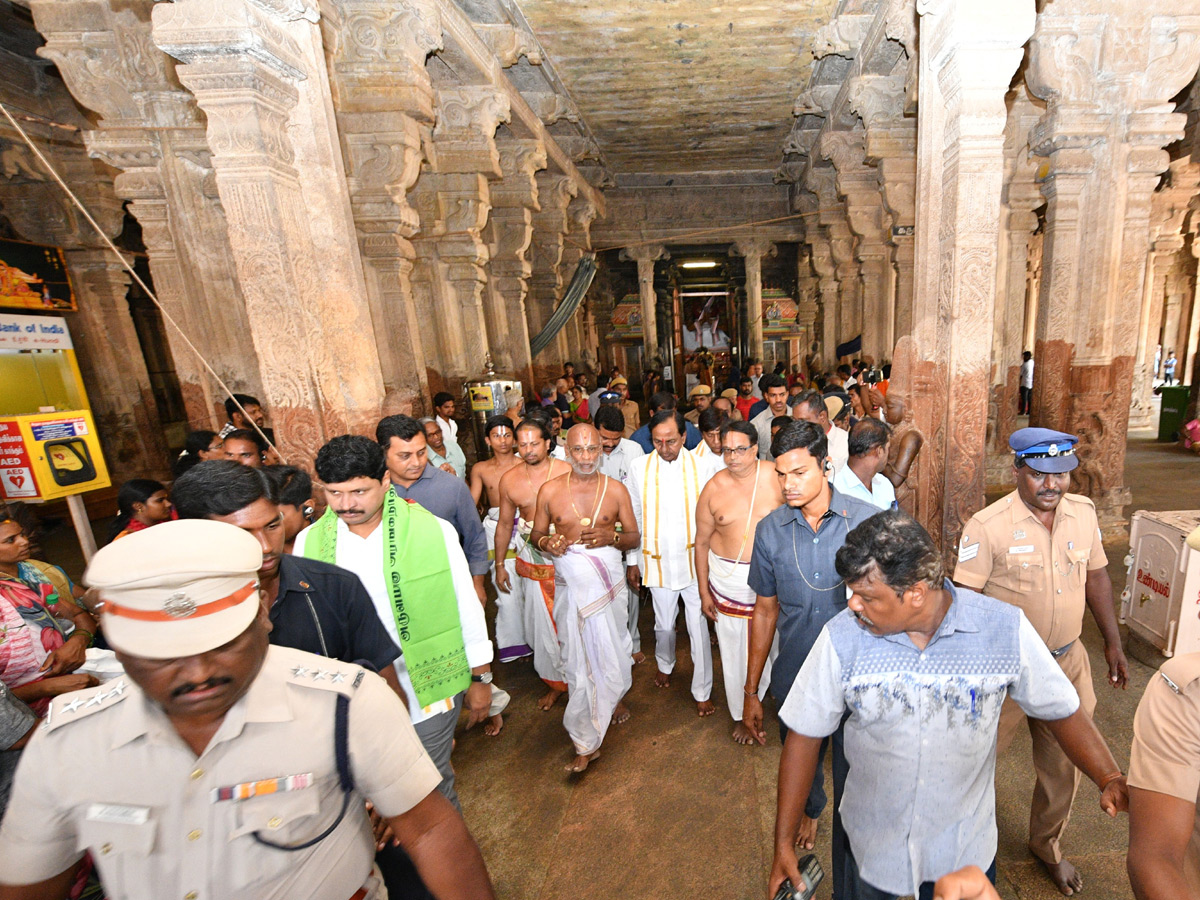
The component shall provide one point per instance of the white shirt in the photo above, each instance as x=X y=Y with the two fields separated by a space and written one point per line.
x=839 y=448
x=714 y=461
x=754 y=391
x=762 y=423
x=364 y=557
x=668 y=491
x=1027 y=373
x=449 y=428
x=881 y=494
x=618 y=463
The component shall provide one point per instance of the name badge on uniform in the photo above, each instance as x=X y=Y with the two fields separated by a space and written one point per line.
x=1024 y=548
x=115 y=814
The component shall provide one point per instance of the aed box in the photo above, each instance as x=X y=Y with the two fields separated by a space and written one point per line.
x=48 y=443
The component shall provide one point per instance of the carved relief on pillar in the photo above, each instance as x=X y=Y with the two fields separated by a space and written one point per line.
x=892 y=145
x=823 y=264
x=1107 y=81
x=257 y=75
x=831 y=216
x=464 y=139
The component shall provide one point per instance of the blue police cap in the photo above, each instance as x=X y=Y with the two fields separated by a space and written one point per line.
x=609 y=397
x=1045 y=450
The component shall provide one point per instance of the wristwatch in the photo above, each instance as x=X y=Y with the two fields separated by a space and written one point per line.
x=485 y=678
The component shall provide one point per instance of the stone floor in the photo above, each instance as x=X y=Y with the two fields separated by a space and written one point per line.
x=675 y=809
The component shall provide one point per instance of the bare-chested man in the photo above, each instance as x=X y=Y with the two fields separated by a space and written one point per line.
x=534 y=587
x=731 y=505
x=586 y=509
x=511 y=641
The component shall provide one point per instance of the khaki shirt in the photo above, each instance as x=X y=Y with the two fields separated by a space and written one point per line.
x=150 y=811
x=1165 y=757
x=633 y=417
x=1006 y=553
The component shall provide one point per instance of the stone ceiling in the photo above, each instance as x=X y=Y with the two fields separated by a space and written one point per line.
x=682 y=86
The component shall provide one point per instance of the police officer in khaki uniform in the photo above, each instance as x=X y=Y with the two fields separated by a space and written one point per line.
x=1039 y=549
x=219 y=766
x=700 y=398
x=1164 y=784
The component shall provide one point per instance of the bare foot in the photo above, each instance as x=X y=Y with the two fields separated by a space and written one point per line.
x=742 y=734
x=582 y=762
x=806 y=834
x=621 y=714
x=639 y=657
x=662 y=679
x=494 y=725
x=705 y=708
x=549 y=699
x=1065 y=877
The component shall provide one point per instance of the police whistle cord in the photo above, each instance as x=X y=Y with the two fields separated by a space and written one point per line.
x=129 y=268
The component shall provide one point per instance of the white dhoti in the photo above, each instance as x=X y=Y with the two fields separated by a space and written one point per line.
x=594 y=634
x=511 y=642
x=735 y=607
x=540 y=600
x=666 y=611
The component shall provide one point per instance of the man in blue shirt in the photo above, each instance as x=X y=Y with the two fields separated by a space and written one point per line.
x=798 y=590
x=916 y=671
x=447 y=497
x=664 y=400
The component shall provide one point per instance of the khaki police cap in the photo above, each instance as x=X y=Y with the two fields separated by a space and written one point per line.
x=730 y=394
x=177 y=589
x=700 y=389
x=620 y=379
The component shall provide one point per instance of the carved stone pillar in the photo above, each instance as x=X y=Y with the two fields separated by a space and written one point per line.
x=260 y=79
x=754 y=249
x=893 y=143
x=383 y=97
x=453 y=199
x=109 y=63
x=510 y=232
x=114 y=369
x=1107 y=75
x=968 y=56
x=1193 y=341
x=646 y=255
x=858 y=183
x=823 y=265
x=581 y=212
x=546 y=285
x=1018 y=221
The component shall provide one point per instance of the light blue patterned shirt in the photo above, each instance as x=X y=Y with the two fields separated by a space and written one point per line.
x=921 y=737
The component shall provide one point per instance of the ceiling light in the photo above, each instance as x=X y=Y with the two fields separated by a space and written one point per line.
x=700 y=264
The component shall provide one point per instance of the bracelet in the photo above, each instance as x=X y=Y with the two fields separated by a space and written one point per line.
x=539 y=541
x=1109 y=779
x=83 y=631
x=748 y=692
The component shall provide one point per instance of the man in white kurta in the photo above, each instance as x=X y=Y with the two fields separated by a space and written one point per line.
x=664 y=487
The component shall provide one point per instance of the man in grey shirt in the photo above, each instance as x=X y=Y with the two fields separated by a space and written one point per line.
x=919 y=669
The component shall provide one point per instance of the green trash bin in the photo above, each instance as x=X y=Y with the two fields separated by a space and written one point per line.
x=1174 y=405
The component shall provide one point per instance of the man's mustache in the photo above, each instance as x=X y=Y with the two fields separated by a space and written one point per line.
x=189 y=687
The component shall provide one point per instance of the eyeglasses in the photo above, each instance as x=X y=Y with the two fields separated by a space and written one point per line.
x=735 y=451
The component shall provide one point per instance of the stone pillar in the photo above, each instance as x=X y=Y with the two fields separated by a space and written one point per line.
x=893 y=143
x=510 y=232
x=546 y=286
x=646 y=255
x=114 y=368
x=753 y=249
x=108 y=61
x=822 y=260
x=1018 y=221
x=1107 y=78
x=577 y=242
x=969 y=53
x=453 y=199
x=859 y=184
x=1193 y=341
x=260 y=78
x=383 y=98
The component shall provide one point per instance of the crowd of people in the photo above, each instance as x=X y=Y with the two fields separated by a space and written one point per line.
x=295 y=655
